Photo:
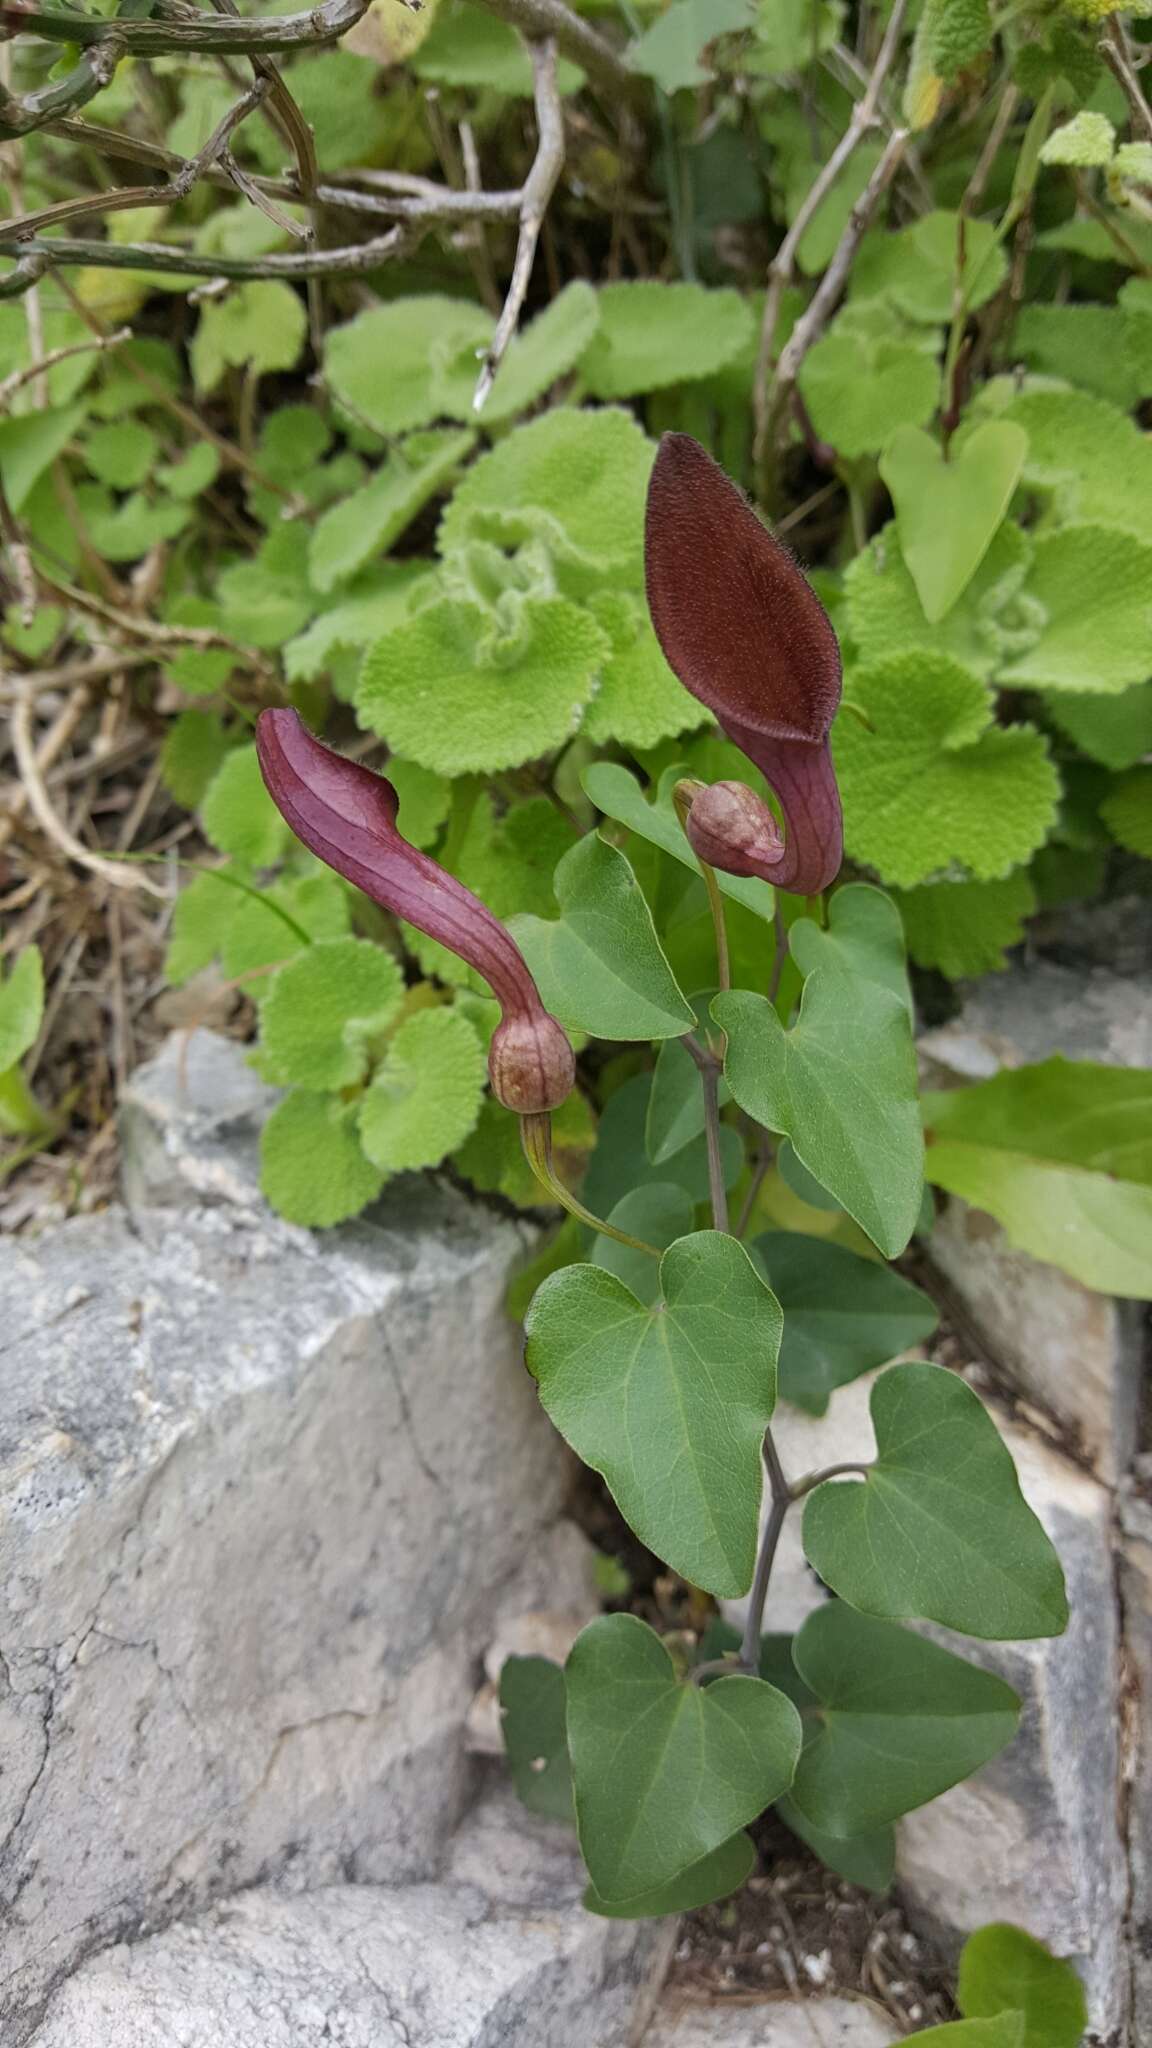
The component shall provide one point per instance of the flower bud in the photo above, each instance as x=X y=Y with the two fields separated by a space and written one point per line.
x=531 y=1064
x=732 y=829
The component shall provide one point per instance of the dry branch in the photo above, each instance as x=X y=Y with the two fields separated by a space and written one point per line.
x=539 y=186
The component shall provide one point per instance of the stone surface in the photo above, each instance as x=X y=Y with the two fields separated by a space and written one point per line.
x=498 y=1954
x=1079 y=1354
x=190 y=1125
x=811 y=2023
x=263 y=1496
x=1034 y=1837
x=1136 y=1598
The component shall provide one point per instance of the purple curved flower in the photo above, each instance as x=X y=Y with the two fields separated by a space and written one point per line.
x=346 y=816
x=745 y=632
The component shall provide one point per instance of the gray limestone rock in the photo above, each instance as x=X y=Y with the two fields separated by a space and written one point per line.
x=1031 y=1012
x=1136 y=1597
x=190 y=1125
x=787 y=2023
x=263 y=1495
x=498 y=1954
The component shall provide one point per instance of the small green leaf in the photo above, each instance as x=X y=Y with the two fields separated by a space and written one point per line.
x=916 y=269
x=985 y=795
x=1085 y=457
x=670 y=1403
x=466 y=46
x=1095 y=587
x=122 y=455
x=965 y=928
x=311 y=1167
x=21 y=1006
x=948 y=511
x=790 y=34
x=417 y=339
x=1004 y=1969
x=424 y=800
x=843 y=1315
x=618 y=794
x=266 y=597
x=425 y=1098
x=652 y=335
x=601 y=968
x=859 y=394
x=672 y=50
x=372 y=606
x=543 y=352
x=868 y=1860
x=574 y=479
x=260 y=326
x=864 y=938
x=900 y=1721
x=989 y=623
x=238 y=815
x=323 y=1011
x=717 y=1876
x=29 y=445
x=638 y=700
x=1127 y=812
x=191 y=475
x=939 y=1530
x=1061 y=1155
x=526 y=699
x=1086 y=142
x=1005 y=2031
x=657 y=1214
x=534 y=1707
x=842 y=1085
x=195 y=746
x=1116 y=731
x=367 y=522
x=665 y=1773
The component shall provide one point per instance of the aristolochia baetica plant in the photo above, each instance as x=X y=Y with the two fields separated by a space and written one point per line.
x=786 y=1088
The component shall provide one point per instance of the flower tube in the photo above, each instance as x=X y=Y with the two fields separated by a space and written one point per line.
x=346 y=815
x=742 y=628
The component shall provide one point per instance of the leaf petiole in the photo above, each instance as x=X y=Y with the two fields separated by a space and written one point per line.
x=536 y=1138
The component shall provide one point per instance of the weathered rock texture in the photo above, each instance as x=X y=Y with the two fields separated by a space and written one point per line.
x=498 y=1954
x=1136 y=1595
x=809 y=2023
x=264 y=1497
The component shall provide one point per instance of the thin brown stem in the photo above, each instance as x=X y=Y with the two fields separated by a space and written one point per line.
x=539 y=186
x=1116 y=51
x=812 y=1480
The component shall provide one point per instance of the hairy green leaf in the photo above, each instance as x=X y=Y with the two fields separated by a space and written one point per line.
x=652 y=335
x=238 y=815
x=965 y=928
x=323 y=1011
x=575 y=479
x=1127 y=812
x=367 y=522
x=418 y=339
x=425 y=1097
x=638 y=701
x=1095 y=588
x=311 y=1167
x=260 y=326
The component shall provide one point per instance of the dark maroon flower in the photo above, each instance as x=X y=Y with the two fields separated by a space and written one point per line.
x=346 y=816
x=745 y=632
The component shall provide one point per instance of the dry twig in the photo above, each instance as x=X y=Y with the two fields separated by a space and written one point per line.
x=1114 y=48
x=539 y=186
x=119 y=873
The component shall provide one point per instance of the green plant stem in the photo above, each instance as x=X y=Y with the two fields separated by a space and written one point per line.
x=781 y=957
x=536 y=1138
x=21 y=1115
x=812 y=1480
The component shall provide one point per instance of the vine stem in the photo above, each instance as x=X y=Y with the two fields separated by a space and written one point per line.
x=536 y=1138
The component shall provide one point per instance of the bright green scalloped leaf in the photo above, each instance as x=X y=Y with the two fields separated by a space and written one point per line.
x=1086 y=142
x=534 y=1720
x=1127 y=812
x=1095 y=586
x=467 y=46
x=938 y=1530
x=716 y=1876
x=249 y=928
x=511 y=860
x=652 y=335
x=238 y=815
x=121 y=454
x=576 y=479
x=618 y=794
x=1002 y=1968
x=864 y=937
x=988 y=623
x=601 y=968
x=266 y=598
x=673 y=50
x=986 y=795
x=966 y=928
x=124 y=529
x=195 y=746
x=424 y=800
x=425 y=1096
x=900 y=1720
x=843 y=1315
x=452 y=691
x=959 y=32
x=1085 y=457
x=868 y=1860
x=323 y=1012
x=857 y=399
x=259 y=327
x=916 y=268
x=842 y=1085
x=791 y=34
x=1105 y=349
x=21 y=1006
x=368 y=522
x=30 y=444
x=639 y=701
x=665 y=1773
x=192 y=474
x=493 y=1157
x=1116 y=731
x=370 y=608
x=1061 y=1154
x=948 y=511
x=657 y=1214
x=383 y=365
x=669 y=1402
x=543 y=352
x=311 y=1167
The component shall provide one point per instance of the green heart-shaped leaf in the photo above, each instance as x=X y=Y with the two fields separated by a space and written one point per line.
x=601 y=968
x=714 y=1877
x=670 y=1403
x=843 y=1315
x=900 y=1720
x=842 y=1085
x=534 y=1708
x=939 y=1530
x=665 y=1772
x=948 y=512
x=618 y=794
x=868 y=1860
x=1002 y=1968
x=657 y=1214
x=865 y=938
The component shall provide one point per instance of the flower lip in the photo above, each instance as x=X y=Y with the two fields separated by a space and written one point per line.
x=346 y=815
